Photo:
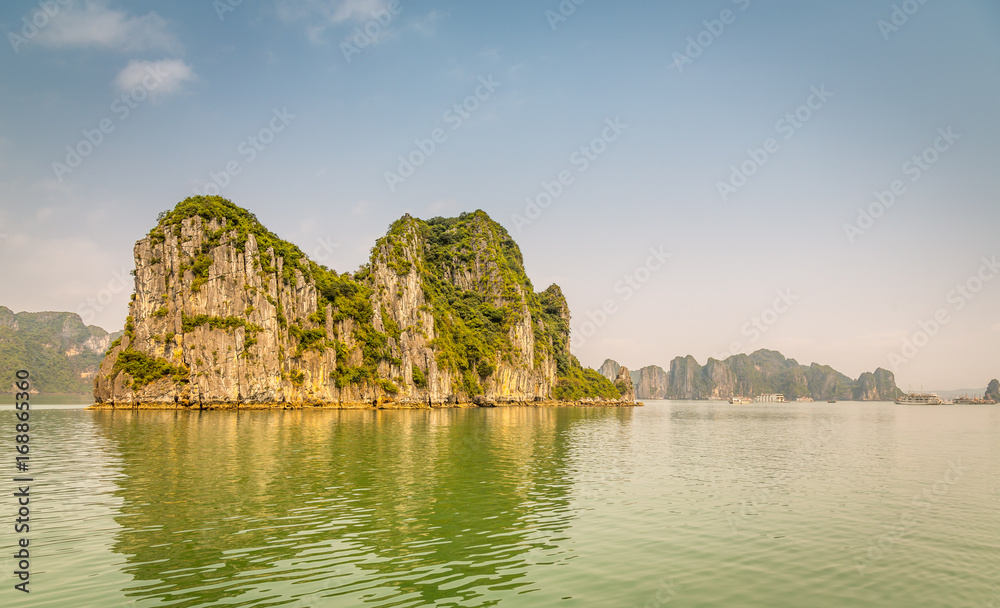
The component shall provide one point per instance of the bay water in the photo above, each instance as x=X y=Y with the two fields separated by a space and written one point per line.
x=677 y=503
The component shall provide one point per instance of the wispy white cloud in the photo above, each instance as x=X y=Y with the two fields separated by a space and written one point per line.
x=93 y=24
x=159 y=78
x=427 y=24
x=331 y=11
x=321 y=15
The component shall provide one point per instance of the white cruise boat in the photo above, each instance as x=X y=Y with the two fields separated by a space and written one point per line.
x=740 y=400
x=920 y=399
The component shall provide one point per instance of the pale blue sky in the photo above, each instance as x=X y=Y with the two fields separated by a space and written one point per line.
x=321 y=181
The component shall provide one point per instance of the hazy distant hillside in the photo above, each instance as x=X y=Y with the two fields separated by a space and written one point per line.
x=764 y=371
x=60 y=352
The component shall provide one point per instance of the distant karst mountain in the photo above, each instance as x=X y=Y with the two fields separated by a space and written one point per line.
x=227 y=314
x=993 y=391
x=57 y=348
x=764 y=371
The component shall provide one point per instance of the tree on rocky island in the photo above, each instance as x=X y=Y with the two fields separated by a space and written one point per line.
x=993 y=390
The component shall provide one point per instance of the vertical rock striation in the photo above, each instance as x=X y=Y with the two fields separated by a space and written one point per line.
x=226 y=313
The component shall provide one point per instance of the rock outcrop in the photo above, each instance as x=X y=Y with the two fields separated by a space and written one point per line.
x=227 y=314
x=993 y=391
x=60 y=351
x=609 y=369
x=650 y=383
x=623 y=382
x=767 y=371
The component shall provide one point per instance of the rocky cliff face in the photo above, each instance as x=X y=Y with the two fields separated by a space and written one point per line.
x=770 y=372
x=225 y=312
x=609 y=369
x=623 y=382
x=60 y=351
x=651 y=383
x=993 y=391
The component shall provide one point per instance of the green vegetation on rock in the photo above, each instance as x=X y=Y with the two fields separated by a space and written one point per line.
x=993 y=390
x=57 y=348
x=145 y=369
x=578 y=383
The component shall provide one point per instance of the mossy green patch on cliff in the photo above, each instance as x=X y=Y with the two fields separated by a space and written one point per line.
x=578 y=383
x=145 y=369
x=239 y=223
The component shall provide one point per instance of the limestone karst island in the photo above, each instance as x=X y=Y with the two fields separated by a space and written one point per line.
x=226 y=314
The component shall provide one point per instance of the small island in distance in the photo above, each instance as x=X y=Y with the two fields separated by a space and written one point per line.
x=761 y=372
x=226 y=314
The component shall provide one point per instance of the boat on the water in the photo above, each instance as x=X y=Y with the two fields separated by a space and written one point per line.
x=771 y=398
x=966 y=400
x=740 y=400
x=920 y=399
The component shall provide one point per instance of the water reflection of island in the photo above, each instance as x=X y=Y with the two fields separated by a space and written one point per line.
x=387 y=508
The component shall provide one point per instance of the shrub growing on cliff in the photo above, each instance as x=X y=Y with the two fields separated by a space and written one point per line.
x=145 y=369
x=578 y=383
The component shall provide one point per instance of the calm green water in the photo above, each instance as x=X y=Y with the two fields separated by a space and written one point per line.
x=673 y=504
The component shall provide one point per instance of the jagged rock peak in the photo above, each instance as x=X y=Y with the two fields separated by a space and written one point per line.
x=768 y=371
x=609 y=369
x=225 y=312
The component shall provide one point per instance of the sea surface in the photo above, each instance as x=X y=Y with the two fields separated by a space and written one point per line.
x=672 y=504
